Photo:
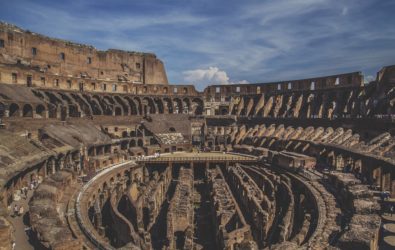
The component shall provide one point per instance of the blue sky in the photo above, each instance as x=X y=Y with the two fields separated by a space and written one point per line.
x=221 y=42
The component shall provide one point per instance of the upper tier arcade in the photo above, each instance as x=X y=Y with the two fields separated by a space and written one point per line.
x=22 y=50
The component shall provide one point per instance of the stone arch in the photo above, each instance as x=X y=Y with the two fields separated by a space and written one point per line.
x=318 y=106
x=339 y=162
x=50 y=166
x=186 y=105
x=177 y=103
x=197 y=106
x=118 y=111
x=159 y=104
x=140 y=142
x=84 y=105
x=132 y=143
x=109 y=99
x=73 y=111
x=14 y=110
x=148 y=106
x=59 y=163
x=27 y=110
x=104 y=107
x=132 y=105
x=168 y=105
x=121 y=102
x=357 y=166
x=96 y=108
x=40 y=110
x=2 y=110
x=139 y=105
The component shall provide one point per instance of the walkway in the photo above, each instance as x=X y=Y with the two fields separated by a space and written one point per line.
x=186 y=157
x=20 y=223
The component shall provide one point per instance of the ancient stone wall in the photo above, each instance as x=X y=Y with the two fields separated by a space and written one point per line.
x=26 y=50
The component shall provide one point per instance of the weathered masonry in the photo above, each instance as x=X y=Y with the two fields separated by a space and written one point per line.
x=121 y=159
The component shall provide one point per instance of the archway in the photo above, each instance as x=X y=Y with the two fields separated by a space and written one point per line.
x=14 y=110
x=2 y=109
x=118 y=111
x=40 y=110
x=27 y=110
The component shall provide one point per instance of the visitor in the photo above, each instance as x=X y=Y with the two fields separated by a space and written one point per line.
x=16 y=210
x=23 y=192
x=392 y=210
x=20 y=212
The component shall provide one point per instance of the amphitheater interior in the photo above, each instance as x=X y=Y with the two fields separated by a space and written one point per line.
x=115 y=157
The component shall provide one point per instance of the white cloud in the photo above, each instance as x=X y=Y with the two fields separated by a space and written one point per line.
x=211 y=75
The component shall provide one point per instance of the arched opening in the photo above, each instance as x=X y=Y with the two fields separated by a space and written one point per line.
x=118 y=111
x=139 y=106
x=122 y=103
x=172 y=129
x=186 y=105
x=2 y=109
x=140 y=142
x=27 y=110
x=73 y=111
x=169 y=105
x=40 y=109
x=124 y=145
x=159 y=104
x=149 y=106
x=177 y=106
x=14 y=110
x=132 y=143
x=96 y=109
x=152 y=141
x=197 y=106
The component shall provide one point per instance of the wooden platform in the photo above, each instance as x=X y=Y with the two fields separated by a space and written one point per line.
x=185 y=157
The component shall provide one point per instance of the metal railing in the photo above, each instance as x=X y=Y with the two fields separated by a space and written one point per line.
x=198 y=159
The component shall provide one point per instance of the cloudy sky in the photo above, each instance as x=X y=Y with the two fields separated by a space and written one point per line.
x=230 y=41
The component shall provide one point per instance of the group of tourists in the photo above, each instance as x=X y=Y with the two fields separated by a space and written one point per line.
x=18 y=209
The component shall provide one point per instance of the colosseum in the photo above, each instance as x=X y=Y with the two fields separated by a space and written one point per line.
x=99 y=151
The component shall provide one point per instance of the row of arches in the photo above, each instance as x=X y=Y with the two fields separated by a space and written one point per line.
x=22 y=110
x=79 y=104
x=328 y=104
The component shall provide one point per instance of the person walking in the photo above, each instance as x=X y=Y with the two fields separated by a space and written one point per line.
x=16 y=210
x=25 y=192
x=20 y=212
x=392 y=210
